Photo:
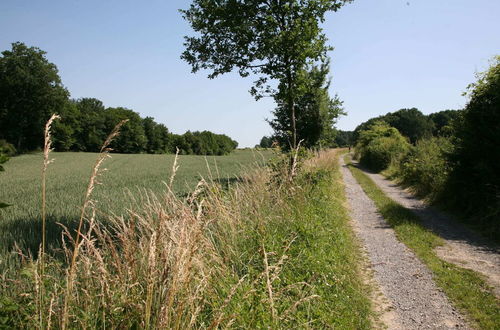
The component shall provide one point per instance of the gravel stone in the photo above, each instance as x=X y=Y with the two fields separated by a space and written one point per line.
x=407 y=284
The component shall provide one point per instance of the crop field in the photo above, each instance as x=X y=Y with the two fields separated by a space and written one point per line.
x=68 y=177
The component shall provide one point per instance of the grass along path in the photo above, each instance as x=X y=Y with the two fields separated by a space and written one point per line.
x=262 y=254
x=465 y=288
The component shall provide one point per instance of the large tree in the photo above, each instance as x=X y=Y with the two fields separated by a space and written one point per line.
x=30 y=91
x=273 y=39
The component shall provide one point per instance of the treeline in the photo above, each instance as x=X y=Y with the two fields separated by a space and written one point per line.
x=86 y=123
x=450 y=157
x=31 y=91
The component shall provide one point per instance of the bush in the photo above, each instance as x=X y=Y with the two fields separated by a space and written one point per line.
x=475 y=181
x=380 y=146
x=426 y=168
x=7 y=149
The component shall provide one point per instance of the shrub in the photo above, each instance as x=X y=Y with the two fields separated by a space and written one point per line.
x=7 y=149
x=380 y=146
x=475 y=180
x=426 y=168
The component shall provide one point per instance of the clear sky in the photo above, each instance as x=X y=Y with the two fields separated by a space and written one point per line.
x=389 y=54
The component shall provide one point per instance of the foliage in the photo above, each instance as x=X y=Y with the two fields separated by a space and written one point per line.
x=409 y=122
x=7 y=149
x=344 y=139
x=380 y=146
x=444 y=121
x=270 y=39
x=465 y=288
x=426 y=168
x=316 y=112
x=3 y=159
x=266 y=142
x=30 y=91
x=475 y=180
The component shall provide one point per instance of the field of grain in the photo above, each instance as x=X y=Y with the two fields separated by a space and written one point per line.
x=67 y=180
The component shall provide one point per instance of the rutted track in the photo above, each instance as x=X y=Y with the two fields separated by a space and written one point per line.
x=462 y=247
x=414 y=299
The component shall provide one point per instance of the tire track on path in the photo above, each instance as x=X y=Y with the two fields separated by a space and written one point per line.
x=462 y=247
x=415 y=300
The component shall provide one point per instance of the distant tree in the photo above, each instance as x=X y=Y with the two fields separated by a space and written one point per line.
x=157 y=136
x=92 y=130
x=344 y=139
x=411 y=123
x=443 y=121
x=30 y=91
x=132 y=139
x=65 y=131
x=266 y=142
x=271 y=39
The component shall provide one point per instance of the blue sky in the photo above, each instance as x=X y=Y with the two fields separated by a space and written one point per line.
x=389 y=54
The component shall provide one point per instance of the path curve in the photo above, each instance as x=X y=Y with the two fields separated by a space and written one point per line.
x=414 y=298
x=462 y=247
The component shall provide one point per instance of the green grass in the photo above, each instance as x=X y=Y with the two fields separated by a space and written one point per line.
x=67 y=180
x=465 y=288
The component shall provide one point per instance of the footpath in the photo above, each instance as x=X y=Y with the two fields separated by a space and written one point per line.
x=410 y=298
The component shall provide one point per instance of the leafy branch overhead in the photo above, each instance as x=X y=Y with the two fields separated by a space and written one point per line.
x=272 y=39
x=266 y=38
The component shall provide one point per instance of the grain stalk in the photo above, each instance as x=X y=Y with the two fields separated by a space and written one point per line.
x=47 y=148
x=103 y=154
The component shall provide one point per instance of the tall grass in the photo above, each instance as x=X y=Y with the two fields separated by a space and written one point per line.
x=260 y=254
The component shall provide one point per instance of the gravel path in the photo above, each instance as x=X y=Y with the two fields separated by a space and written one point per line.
x=414 y=299
x=462 y=247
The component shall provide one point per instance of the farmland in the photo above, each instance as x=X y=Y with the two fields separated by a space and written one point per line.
x=68 y=176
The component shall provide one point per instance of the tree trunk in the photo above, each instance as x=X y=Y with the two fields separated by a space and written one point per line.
x=291 y=106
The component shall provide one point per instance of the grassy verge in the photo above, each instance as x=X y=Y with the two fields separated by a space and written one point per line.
x=262 y=254
x=464 y=287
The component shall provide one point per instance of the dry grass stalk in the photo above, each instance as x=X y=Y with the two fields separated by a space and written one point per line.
x=47 y=148
x=175 y=167
x=103 y=154
x=269 y=284
x=293 y=170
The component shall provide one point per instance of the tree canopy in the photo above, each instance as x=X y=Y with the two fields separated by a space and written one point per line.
x=30 y=91
x=411 y=123
x=272 y=39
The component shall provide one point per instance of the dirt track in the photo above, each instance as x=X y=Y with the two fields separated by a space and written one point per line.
x=413 y=301
x=462 y=247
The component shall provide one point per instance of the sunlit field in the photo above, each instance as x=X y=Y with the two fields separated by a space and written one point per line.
x=67 y=180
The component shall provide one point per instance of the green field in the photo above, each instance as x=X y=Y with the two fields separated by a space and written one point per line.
x=68 y=177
